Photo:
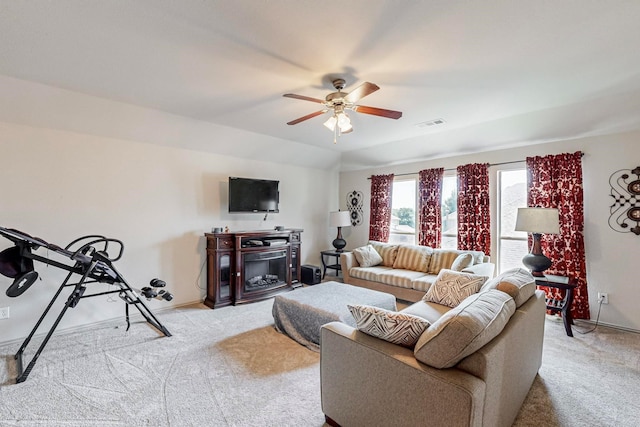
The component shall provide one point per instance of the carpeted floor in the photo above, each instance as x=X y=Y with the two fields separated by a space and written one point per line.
x=229 y=367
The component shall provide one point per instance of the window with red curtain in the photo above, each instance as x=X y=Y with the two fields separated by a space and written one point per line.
x=430 y=207
x=380 y=217
x=555 y=181
x=474 y=214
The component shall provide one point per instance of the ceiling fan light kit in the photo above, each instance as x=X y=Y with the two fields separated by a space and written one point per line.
x=338 y=102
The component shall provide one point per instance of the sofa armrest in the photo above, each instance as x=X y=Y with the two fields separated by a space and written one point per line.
x=510 y=362
x=368 y=381
x=482 y=269
x=347 y=260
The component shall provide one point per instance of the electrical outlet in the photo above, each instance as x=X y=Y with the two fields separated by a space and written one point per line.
x=603 y=297
x=4 y=313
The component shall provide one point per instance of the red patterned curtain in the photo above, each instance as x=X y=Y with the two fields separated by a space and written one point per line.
x=555 y=181
x=380 y=218
x=430 y=207
x=474 y=219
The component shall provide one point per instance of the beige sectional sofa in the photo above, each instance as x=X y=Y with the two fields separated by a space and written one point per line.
x=472 y=366
x=407 y=271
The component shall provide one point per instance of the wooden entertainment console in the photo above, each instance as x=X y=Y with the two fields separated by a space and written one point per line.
x=248 y=266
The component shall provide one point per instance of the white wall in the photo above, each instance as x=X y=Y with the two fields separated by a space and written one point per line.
x=159 y=200
x=611 y=256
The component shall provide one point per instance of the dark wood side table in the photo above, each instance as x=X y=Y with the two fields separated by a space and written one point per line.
x=559 y=305
x=330 y=255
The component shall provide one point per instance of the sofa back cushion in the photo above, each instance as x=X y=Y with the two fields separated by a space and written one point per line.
x=517 y=282
x=367 y=256
x=441 y=259
x=451 y=287
x=465 y=329
x=413 y=257
x=462 y=261
x=387 y=251
x=444 y=258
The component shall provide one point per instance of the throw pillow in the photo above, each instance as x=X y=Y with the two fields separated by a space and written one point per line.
x=465 y=329
x=392 y=326
x=451 y=287
x=367 y=256
x=387 y=251
x=413 y=257
x=463 y=261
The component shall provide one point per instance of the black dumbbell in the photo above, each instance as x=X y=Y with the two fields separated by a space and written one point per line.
x=157 y=283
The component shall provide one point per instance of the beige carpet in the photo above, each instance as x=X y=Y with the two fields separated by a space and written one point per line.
x=229 y=367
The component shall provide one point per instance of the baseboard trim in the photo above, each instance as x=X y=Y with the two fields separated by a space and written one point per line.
x=607 y=325
x=133 y=316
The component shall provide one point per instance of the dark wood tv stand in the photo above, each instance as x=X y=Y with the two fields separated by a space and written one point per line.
x=248 y=266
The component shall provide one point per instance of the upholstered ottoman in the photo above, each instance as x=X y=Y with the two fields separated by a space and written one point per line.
x=301 y=312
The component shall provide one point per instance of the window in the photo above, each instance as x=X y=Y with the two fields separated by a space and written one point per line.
x=403 y=212
x=512 y=194
x=449 y=212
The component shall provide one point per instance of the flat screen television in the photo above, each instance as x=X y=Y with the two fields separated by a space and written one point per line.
x=253 y=195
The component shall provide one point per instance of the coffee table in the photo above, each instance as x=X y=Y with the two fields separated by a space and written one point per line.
x=301 y=312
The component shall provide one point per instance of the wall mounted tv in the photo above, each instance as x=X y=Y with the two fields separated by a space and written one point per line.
x=253 y=195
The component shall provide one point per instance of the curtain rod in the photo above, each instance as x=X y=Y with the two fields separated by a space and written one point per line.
x=453 y=169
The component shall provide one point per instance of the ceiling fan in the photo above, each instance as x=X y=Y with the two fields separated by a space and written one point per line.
x=340 y=101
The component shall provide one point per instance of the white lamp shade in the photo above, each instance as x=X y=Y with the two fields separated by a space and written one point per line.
x=538 y=220
x=331 y=122
x=339 y=219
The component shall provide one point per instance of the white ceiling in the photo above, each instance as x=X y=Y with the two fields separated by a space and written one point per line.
x=500 y=73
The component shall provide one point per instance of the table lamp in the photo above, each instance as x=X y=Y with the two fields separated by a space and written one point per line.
x=339 y=219
x=537 y=221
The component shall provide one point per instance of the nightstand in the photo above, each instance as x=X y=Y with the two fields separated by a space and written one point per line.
x=333 y=262
x=559 y=305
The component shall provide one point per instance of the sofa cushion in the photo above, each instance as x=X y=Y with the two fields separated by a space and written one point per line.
x=429 y=311
x=399 y=278
x=423 y=283
x=441 y=259
x=451 y=287
x=387 y=251
x=444 y=258
x=413 y=257
x=517 y=282
x=371 y=274
x=462 y=261
x=465 y=329
x=392 y=326
x=367 y=256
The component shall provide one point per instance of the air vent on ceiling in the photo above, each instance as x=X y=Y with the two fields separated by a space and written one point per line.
x=430 y=123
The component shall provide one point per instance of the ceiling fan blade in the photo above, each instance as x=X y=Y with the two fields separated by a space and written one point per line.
x=390 y=114
x=304 y=98
x=360 y=92
x=307 y=117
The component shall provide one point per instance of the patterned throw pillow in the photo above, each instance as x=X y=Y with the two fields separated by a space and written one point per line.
x=367 y=256
x=451 y=287
x=463 y=261
x=392 y=326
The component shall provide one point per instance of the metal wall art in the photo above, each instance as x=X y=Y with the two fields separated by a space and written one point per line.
x=625 y=211
x=354 y=204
